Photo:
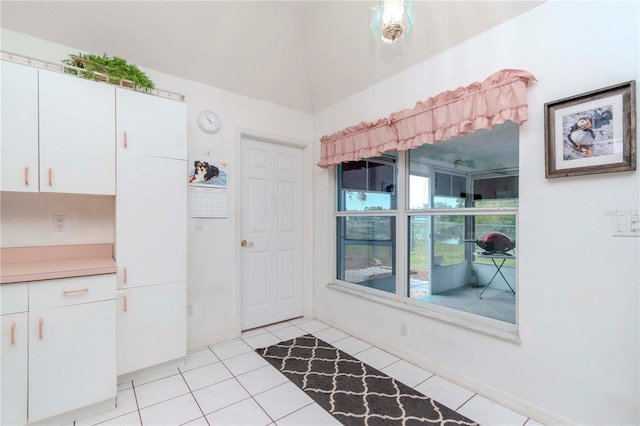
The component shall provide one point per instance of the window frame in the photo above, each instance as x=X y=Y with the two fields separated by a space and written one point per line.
x=400 y=299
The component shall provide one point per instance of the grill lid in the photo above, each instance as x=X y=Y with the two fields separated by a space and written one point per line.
x=495 y=243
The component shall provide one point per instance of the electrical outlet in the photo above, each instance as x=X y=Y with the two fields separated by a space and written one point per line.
x=189 y=309
x=59 y=223
x=403 y=328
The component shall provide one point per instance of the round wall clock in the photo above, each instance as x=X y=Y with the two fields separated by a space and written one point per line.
x=209 y=121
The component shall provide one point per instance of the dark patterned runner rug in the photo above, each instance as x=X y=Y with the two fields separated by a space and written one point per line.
x=352 y=391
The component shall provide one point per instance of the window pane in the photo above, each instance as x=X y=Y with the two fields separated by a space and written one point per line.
x=366 y=251
x=367 y=185
x=454 y=258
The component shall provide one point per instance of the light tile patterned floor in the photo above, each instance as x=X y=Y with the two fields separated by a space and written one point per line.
x=229 y=384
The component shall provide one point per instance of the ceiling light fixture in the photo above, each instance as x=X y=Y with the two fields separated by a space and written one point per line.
x=391 y=19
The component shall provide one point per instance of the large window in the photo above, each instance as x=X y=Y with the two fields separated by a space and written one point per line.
x=436 y=224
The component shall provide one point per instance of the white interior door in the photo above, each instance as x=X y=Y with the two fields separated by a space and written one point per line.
x=272 y=216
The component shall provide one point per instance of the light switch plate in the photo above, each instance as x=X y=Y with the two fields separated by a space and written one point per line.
x=626 y=225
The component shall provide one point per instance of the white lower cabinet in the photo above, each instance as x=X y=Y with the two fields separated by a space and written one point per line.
x=14 y=354
x=58 y=355
x=152 y=326
x=71 y=363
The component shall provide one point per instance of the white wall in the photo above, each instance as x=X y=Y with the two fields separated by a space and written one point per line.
x=578 y=360
x=212 y=264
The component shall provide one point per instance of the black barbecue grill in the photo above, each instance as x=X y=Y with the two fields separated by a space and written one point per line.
x=495 y=243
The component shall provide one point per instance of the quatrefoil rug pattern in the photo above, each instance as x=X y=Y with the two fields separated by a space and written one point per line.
x=352 y=391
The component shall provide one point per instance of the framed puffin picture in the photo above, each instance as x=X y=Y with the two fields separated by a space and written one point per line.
x=590 y=133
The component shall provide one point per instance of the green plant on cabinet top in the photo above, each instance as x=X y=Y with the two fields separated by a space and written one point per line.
x=111 y=69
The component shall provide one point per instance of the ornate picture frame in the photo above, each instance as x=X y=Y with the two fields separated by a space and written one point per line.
x=591 y=133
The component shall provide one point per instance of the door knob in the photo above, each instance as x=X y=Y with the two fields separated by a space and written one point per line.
x=245 y=243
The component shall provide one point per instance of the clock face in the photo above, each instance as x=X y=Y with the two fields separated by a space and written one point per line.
x=208 y=121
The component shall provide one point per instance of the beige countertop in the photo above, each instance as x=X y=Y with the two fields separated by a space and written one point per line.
x=20 y=264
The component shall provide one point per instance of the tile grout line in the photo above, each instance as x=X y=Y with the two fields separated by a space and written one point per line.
x=299 y=409
x=432 y=375
x=469 y=399
x=240 y=383
x=247 y=390
x=194 y=397
x=135 y=396
x=254 y=399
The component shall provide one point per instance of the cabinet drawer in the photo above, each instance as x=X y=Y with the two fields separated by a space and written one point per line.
x=71 y=291
x=14 y=298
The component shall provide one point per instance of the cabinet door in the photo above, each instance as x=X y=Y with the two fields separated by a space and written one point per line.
x=77 y=135
x=13 y=366
x=19 y=123
x=151 y=221
x=150 y=125
x=152 y=326
x=72 y=358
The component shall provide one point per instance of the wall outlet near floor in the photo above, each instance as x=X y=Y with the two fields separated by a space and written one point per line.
x=403 y=328
x=189 y=309
x=59 y=223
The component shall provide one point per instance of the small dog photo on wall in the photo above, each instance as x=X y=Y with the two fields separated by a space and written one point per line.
x=207 y=173
x=203 y=172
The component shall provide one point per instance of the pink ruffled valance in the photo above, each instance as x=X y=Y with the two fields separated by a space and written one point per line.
x=501 y=97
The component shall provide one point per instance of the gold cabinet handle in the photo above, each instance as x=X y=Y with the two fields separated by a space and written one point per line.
x=245 y=243
x=26 y=175
x=124 y=299
x=40 y=323
x=13 y=333
x=50 y=176
x=125 y=139
x=124 y=278
x=79 y=290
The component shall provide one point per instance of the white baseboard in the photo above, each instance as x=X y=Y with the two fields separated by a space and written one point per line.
x=80 y=413
x=179 y=362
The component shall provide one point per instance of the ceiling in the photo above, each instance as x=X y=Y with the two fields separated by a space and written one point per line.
x=305 y=55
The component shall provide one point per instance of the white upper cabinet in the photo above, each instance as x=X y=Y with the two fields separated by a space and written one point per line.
x=151 y=221
x=77 y=135
x=19 y=124
x=150 y=125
